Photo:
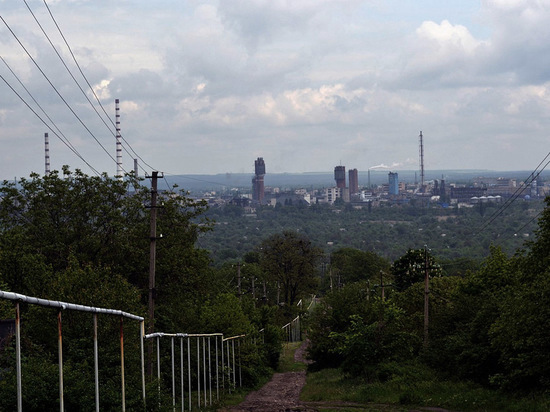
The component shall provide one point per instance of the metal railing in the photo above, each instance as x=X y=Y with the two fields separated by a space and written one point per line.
x=208 y=363
x=292 y=330
x=61 y=306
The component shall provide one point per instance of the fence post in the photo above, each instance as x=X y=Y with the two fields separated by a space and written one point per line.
x=217 y=371
x=181 y=375
x=96 y=365
x=234 y=371
x=205 y=389
x=223 y=366
x=122 y=363
x=173 y=377
x=189 y=367
x=210 y=370
x=18 y=356
x=142 y=343
x=60 y=353
x=240 y=363
x=158 y=367
x=198 y=372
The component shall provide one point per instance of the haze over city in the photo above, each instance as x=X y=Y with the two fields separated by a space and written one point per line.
x=205 y=87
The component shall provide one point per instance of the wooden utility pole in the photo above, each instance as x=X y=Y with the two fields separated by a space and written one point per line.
x=426 y=297
x=152 y=266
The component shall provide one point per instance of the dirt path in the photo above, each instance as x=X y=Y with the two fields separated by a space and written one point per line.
x=282 y=393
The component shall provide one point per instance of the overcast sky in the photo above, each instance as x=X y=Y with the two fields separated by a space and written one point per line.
x=209 y=86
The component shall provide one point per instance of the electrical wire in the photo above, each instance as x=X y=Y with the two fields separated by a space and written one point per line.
x=49 y=127
x=57 y=91
x=72 y=75
x=532 y=177
x=68 y=143
x=92 y=89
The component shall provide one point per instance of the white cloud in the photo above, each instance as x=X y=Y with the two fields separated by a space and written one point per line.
x=206 y=86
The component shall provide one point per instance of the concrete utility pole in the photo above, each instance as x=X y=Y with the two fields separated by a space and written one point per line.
x=152 y=266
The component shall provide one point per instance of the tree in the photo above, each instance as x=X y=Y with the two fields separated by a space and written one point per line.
x=290 y=259
x=412 y=266
x=353 y=265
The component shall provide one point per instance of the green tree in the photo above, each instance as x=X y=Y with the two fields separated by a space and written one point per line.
x=82 y=239
x=290 y=259
x=352 y=265
x=378 y=338
x=411 y=268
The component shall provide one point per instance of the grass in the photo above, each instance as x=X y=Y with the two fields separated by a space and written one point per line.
x=410 y=385
x=287 y=362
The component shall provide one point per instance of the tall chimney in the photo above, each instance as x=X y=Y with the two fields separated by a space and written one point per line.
x=47 y=154
x=119 y=173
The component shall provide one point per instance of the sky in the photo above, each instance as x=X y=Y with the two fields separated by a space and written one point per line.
x=206 y=87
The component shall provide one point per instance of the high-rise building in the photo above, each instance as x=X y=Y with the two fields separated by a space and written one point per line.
x=340 y=176
x=353 y=181
x=393 y=180
x=258 y=191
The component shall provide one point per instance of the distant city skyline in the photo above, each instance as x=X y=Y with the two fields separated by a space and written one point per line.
x=207 y=87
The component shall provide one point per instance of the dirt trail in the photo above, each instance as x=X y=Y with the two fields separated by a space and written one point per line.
x=282 y=393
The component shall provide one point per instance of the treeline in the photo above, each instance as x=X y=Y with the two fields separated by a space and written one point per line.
x=489 y=326
x=388 y=231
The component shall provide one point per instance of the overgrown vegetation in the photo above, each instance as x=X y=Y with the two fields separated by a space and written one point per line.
x=488 y=331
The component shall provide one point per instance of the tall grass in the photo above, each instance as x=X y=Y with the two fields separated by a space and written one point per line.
x=402 y=386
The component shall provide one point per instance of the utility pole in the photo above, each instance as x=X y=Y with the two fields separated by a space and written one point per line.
x=426 y=296
x=152 y=266
x=239 y=279
x=382 y=284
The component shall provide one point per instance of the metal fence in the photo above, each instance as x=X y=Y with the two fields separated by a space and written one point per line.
x=208 y=363
x=61 y=306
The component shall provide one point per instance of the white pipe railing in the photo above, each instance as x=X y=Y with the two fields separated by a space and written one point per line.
x=18 y=298
x=207 y=368
x=227 y=350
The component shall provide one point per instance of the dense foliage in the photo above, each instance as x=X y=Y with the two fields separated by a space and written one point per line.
x=290 y=260
x=387 y=231
x=490 y=326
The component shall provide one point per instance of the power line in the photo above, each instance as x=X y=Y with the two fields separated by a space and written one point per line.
x=49 y=127
x=57 y=91
x=92 y=89
x=41 y=108
x=532 y=177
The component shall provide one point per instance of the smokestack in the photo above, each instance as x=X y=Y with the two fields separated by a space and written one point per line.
x=118 y=142
x=47 y=154
x=421 y=154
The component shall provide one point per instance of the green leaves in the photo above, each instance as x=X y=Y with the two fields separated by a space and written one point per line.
x=290 y=260
x=412 y=268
